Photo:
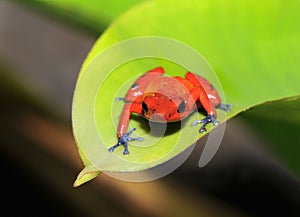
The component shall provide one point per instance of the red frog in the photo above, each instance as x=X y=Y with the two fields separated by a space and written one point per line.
x=167 y=99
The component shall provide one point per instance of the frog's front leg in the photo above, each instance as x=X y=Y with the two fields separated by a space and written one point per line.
x=199 y=94
x=123 y=136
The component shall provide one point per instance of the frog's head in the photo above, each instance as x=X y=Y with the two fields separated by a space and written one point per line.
x=161 y=108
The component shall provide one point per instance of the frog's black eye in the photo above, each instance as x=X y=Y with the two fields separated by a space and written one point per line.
x=144 y=107
x=181 y=107
x=134 y=86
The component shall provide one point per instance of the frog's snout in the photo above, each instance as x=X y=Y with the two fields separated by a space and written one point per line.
x=157 y=117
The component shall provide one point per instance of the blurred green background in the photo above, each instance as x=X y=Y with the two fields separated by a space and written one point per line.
x=42 y=46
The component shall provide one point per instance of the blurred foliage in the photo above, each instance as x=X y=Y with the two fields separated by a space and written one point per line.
x=91 y=14
x=14 y=92
x=279 y=123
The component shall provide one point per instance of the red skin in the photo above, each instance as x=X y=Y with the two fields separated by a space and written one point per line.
x=163 y=96
x=167 y=99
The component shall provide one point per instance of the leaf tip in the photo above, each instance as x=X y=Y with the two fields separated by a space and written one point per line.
x=84 y=176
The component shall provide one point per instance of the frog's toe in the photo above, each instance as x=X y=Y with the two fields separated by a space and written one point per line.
x=208 y=119
x=123 y=140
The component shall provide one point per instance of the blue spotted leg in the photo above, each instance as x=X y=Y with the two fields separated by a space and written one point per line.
x=211 y=118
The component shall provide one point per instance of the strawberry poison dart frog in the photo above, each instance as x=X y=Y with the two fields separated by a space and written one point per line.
x=167 y=99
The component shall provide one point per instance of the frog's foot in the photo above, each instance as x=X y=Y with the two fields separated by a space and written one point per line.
x=225 y=107
x=208 y=119
x=123 y=140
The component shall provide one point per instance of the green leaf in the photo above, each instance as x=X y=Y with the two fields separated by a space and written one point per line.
x=253 y=47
